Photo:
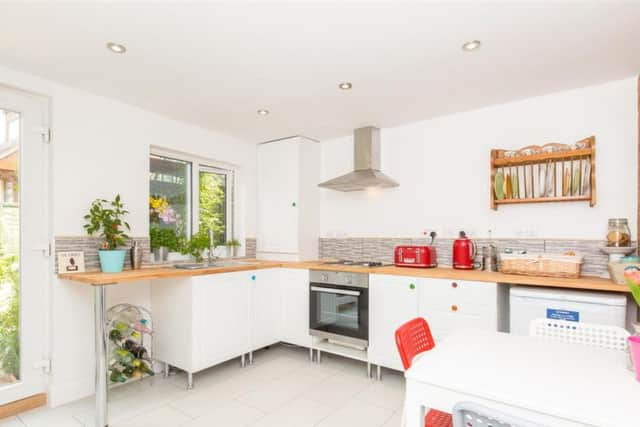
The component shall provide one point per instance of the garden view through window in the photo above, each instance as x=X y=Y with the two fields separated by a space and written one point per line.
x=9 y=248
x=186 y=200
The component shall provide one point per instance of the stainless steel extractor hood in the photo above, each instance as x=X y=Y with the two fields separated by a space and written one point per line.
x=366 y=161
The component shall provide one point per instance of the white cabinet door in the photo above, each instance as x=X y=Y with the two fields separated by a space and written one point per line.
x=278 y=190
x=448 y=305
x=222 y=324
x=265 y=307
x=393 y=300
x=295 y=306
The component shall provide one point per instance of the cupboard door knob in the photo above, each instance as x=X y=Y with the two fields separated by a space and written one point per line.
x=454 y=285
x=293 y=204
x=253 y=277
x=412 y=286
x=454 y=307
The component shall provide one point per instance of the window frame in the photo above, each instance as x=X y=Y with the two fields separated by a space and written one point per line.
x=198 y=164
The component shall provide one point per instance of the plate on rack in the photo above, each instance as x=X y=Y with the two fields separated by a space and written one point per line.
x=498 y=185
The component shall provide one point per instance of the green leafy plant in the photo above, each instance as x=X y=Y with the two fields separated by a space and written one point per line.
x=233 y=243
x=105 y=218
x=196 y=245
x=10 y=316
x=165 y=237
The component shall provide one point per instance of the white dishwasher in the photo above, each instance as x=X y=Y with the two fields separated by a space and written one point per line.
x=529 y=303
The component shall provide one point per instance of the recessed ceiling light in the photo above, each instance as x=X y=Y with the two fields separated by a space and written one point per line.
x=263 y=112
x=345 y=85
x=471 y=45
x=116 y=48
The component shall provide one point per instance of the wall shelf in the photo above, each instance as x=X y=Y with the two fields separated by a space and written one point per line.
x=544 y=174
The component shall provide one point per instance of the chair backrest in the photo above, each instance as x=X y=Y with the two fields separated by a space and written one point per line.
x=412 y=338
x=604 y=336
x=469 y=414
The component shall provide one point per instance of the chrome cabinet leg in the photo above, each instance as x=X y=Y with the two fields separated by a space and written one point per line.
x=242 y=362
x=165 y=370
x=311 y=354
x=251 y=358
x=318 y=356
x=368 y=370
x=378 y=373
x=189 y=381
x=100 y=318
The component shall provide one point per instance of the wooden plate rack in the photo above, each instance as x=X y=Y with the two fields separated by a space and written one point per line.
x=542 y=174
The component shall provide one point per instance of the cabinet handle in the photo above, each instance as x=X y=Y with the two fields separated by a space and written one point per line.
x=253 y=277
x=412 y=286
x=454 y=285
x=454 y=307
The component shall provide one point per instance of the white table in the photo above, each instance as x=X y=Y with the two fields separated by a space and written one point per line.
x=552 y=383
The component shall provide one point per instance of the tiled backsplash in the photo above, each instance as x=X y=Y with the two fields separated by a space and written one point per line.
x=250 y=247
x=90 y=245
x=381 y=249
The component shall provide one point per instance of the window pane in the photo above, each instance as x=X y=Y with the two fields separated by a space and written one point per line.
x=169 y=201
x=213 y=205
x=9 y=248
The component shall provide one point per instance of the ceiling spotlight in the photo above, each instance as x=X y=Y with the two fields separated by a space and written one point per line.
x=263 y=112
x=472 y=45
x=116 y=48
x=345 y=85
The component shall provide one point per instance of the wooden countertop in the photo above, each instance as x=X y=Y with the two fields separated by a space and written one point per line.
x=149 y=273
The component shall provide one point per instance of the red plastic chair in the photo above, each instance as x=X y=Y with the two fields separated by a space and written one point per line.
x=413 y=338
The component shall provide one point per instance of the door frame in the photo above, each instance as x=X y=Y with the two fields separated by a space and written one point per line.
x=35 y=249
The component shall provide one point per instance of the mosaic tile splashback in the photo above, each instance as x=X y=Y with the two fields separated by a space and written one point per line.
x=381 y=249
x=90 y=245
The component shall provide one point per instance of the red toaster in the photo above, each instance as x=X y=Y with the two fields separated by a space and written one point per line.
x=416 y=256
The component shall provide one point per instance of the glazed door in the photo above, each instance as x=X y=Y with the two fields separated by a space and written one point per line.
x=24 y=213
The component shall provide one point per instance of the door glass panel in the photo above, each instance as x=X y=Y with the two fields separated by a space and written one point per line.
x=339 y=311
x=9 y=248
x=213 y=204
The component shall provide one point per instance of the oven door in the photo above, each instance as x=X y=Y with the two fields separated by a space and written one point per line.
x=339 y=312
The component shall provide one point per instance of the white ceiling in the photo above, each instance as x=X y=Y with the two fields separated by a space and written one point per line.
x=215 y=64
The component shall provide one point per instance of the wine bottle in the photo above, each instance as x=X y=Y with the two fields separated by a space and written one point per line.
x=116 y=376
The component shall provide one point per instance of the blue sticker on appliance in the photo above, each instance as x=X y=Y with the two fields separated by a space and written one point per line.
x=572 y=316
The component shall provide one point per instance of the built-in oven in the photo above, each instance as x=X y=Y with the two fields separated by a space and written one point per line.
x=339 y=307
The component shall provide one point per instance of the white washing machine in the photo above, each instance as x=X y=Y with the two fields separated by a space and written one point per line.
x=527 y=303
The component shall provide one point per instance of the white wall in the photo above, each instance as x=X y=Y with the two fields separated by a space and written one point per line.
x=101 y=147
x=442 y=166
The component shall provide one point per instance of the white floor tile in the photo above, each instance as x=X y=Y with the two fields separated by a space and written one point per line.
x=337 y=390
x=300 y=412
x=232 y=414
x=357 y=414
x=163 y=416
x=11 y=422
x=50 y=417
x=395 y=420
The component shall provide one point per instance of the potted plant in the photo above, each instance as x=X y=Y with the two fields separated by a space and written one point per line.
x=233 y=246
x=196 y=245
x=162 y=241
x=632 y=277
x=105 y=219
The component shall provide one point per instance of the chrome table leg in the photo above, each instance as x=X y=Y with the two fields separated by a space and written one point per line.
x=165 y=370
x=100 y=318
x=189 y=381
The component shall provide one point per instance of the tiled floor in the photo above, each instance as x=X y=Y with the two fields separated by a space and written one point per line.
x=281 y=389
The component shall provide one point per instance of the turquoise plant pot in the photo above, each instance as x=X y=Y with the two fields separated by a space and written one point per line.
x=112 y=261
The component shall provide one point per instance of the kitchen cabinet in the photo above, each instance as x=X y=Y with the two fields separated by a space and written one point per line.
x=288 y=199
x=265 y=308
x=201 y=321
x=446 y=305
x=295 y=306
x=393 y=300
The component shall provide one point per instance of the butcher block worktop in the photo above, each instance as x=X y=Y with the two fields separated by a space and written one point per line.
x=151 y=273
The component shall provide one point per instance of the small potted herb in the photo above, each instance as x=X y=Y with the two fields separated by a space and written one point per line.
x=198 y=243
x=233 y=246
x=105 y=219
x=163 y=240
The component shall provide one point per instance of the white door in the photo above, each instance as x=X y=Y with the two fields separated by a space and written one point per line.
x=265 y=307
x=295 y=306
x=24 y=213
x=393 y=300
x=278 y=176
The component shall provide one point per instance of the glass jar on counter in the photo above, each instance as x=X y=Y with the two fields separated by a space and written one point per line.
x=618 y=233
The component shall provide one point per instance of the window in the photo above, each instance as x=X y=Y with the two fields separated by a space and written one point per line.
x=189 y=195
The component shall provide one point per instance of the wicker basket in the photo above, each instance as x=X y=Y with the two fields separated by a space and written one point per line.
x=541 y=264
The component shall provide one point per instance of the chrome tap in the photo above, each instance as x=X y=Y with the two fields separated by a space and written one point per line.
x=212 y=247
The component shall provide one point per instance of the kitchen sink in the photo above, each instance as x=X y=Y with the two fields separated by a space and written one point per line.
x=205 y=265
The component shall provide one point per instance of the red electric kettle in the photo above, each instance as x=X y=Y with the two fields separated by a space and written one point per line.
x=464 y=252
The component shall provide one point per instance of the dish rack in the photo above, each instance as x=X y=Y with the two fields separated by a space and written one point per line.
x=542 y=264
x=540 y=174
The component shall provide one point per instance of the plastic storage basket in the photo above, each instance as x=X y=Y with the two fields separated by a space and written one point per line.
x=541 y=264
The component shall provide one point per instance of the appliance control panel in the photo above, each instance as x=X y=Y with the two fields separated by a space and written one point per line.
x=358 y=280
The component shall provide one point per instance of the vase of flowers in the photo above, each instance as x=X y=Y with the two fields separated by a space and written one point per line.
x=105 y=218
